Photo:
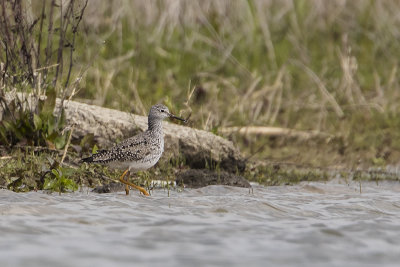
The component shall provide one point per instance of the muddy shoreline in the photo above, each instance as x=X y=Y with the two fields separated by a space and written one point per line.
x=25 y=169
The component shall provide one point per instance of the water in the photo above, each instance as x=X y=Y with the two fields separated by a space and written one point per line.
x=313 y=224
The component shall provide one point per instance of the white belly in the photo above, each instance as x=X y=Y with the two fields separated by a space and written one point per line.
x=145 y=164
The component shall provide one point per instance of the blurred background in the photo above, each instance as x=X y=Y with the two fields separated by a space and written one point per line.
x=327 y=69
x=309 y=65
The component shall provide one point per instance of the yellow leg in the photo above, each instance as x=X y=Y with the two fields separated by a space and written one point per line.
x=127 y=189
x=127 y=184
x=125 y=177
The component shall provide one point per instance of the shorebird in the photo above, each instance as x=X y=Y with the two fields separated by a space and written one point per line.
x=139 y=152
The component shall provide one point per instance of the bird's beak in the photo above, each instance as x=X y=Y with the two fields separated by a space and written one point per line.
x=176 y=117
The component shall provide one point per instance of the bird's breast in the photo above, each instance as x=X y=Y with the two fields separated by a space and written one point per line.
x=151 y=158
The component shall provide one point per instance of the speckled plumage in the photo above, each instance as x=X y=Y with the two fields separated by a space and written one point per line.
x=141 y=151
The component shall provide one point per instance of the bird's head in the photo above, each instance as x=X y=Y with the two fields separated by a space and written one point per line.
x=161 y=112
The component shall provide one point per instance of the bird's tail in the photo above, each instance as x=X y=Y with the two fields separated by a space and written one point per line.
x=88 y=159
x=99 y=157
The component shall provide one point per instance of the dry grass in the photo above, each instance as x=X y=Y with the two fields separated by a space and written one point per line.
x=260 y=58
x=309 y=65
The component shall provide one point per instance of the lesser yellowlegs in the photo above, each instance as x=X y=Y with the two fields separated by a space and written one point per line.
x=139 y=152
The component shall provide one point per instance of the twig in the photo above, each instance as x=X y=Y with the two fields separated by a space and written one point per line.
x=36 y=148
x=72 y=45
x=46 y=67
x=67 y=145
x=49 y=38
x=42 y=16
x=59 y=68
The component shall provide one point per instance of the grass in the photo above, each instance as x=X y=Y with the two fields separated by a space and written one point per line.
x=301 y=65
x=305 y=65
x=29 y=168
x=34 y=168
x=37 y=55
x=275 y=174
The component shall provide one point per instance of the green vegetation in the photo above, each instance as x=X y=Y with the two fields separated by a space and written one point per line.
x=330 y=68
x=36 y=56
x=276 y=175
x=38 y=43
x=59 y=182
x=34 y=168
x=37 y=168
x=272 y=175
x=302 y=65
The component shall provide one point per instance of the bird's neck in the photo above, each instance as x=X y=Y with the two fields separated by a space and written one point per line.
x=155 y=125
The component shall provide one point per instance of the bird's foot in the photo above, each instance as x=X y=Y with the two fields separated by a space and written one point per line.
x=127 y=184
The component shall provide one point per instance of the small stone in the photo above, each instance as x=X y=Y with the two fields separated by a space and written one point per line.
x=109 y=188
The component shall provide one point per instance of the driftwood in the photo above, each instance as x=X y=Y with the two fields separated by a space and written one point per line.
x=275 y=131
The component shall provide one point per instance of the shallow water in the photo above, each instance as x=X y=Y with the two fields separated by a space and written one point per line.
x=311 y=224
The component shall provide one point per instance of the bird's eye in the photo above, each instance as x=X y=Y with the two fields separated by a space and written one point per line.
x=162 y=110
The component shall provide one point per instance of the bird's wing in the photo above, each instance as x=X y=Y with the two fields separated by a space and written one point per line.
x=131 y=149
